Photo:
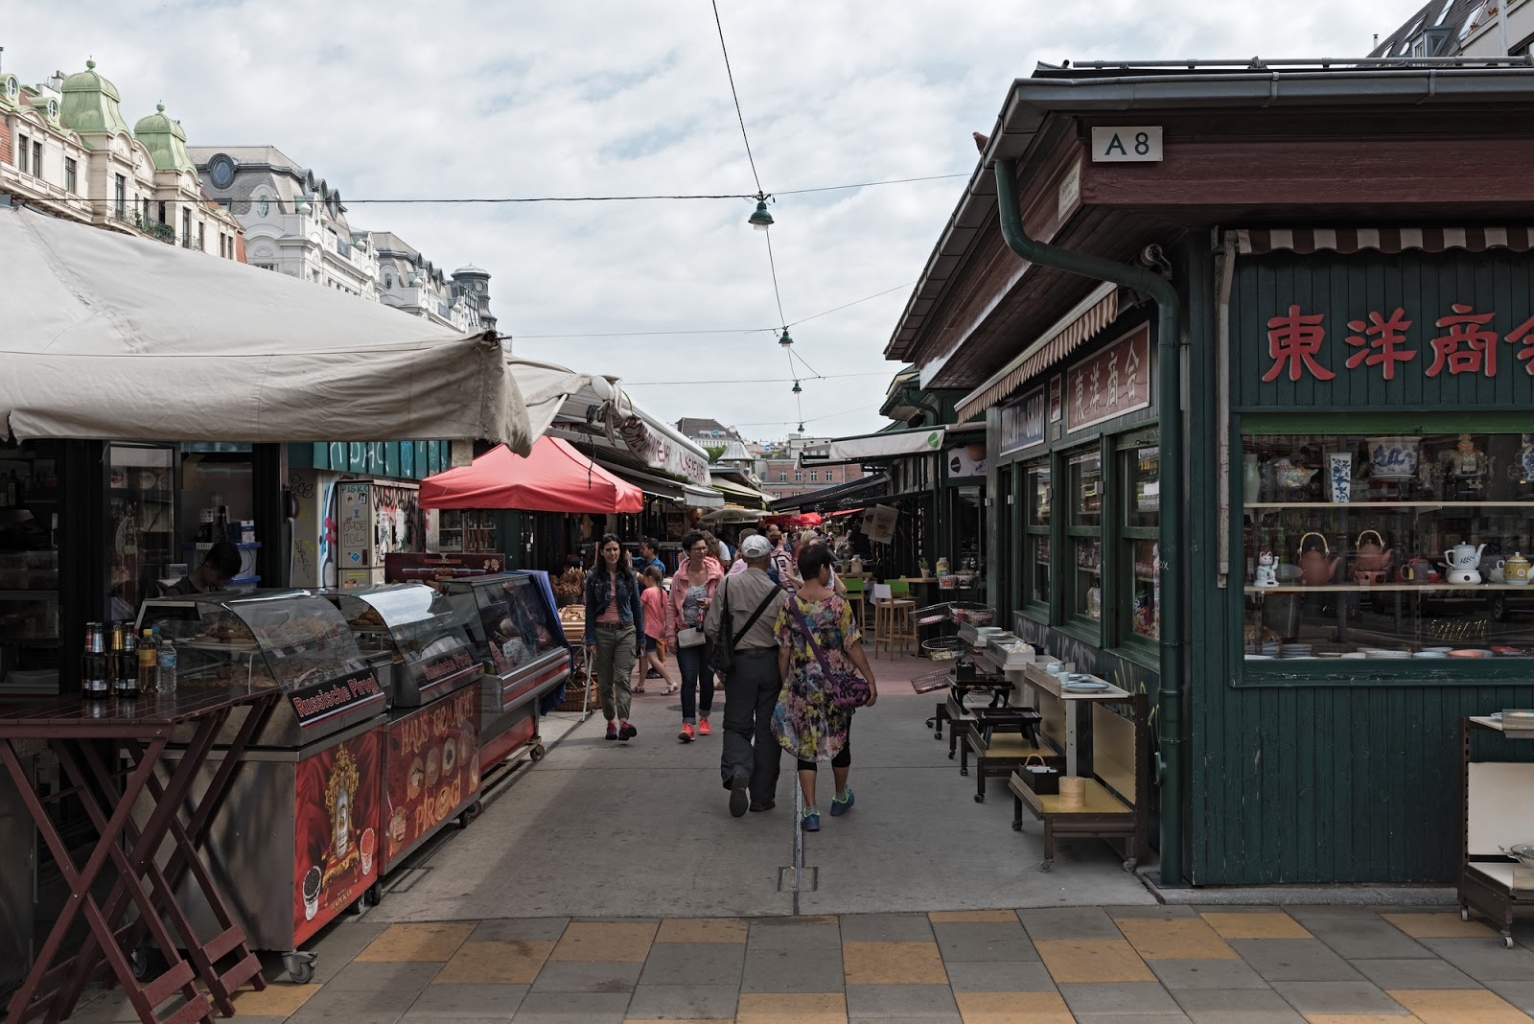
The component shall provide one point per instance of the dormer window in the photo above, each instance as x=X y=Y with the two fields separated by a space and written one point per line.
x=11 y=88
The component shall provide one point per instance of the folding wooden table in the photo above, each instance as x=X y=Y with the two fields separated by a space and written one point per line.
x=89 y=737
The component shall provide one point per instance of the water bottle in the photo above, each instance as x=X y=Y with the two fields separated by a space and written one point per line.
x=167 y=665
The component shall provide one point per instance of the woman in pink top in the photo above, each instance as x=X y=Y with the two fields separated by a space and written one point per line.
x=692 y=588
x=653 y=597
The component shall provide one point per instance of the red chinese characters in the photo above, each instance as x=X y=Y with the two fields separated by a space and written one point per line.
x=1468 y=347
x=1293 y=342
x=1382 y=342
x=1523 y=335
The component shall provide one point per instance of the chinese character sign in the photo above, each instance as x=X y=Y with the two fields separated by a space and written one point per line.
x=1111 y=383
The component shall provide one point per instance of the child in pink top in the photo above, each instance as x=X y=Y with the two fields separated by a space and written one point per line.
x=654 y=600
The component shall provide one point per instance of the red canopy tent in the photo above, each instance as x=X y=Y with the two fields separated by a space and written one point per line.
x=554 y=477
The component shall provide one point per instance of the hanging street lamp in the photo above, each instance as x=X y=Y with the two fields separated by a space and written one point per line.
x=786 y=340
x=761 y=219
x=797 y=388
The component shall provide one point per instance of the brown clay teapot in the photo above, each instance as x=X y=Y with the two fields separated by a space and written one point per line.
x=1317 y=565
x=1371 y=554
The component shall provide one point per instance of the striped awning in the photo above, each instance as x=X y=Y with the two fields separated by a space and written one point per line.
x=1094 y=313
x=1255 y=241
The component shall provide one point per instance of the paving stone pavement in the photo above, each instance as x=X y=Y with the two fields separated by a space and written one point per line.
x=1113 y=965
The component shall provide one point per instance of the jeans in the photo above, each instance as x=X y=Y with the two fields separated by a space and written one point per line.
x=697 y=680
x=750 y=696
x=613 y=667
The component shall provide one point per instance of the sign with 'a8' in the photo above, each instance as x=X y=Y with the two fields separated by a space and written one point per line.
x=1126 y=144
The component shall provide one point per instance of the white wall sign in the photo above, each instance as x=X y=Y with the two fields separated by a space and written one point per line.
x=1126 y=144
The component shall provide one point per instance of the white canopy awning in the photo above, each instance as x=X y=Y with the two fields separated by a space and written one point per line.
x=112 y=337
x=880 y=446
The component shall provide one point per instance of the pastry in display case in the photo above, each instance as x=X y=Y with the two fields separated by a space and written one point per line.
x=512 y=621
x=291 y=640
x=417 y=630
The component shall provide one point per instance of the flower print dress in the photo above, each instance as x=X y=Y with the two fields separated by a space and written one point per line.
x=805 y=721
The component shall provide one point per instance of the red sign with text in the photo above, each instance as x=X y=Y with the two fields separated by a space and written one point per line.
x=433 y=769
x=1111 y=383
x=335 y=830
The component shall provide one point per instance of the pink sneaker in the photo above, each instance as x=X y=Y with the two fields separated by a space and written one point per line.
x=703 y=729
x=686 y=734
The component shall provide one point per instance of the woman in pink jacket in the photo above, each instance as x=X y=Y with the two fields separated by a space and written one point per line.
x=692 y=589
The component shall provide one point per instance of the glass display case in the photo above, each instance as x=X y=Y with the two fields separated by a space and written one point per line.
x=1388 y=546
x=291 y=640
x=420 y=630
x=508 y=619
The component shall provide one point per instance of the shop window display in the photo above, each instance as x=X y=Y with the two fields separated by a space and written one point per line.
x=29 y=567
x=1388 y=545
x=1085 y=534
x=1141 y=526
x=1038 y=496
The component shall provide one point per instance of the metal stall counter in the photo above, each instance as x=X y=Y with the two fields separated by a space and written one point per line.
x=299 y=842
x=412 y=637
x=512 y=620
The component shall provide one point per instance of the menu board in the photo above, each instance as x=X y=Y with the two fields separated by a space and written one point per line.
x=336 y=819
x=433 y=768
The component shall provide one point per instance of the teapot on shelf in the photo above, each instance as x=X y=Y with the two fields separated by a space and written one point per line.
x=1292 y=476
x=1464 y=556
x=1317 y=565
x=1371 y=558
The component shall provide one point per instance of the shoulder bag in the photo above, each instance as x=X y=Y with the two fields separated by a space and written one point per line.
x=847 y=690
x=723 y=660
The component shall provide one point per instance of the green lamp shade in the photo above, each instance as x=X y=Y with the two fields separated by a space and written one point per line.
x=761 y=219
x=786 y=340
x=797 y=388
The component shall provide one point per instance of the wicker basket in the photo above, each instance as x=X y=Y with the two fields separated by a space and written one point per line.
x=572 y=701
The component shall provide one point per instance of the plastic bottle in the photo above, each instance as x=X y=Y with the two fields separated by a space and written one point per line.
x=148 y=663
x=167 y=662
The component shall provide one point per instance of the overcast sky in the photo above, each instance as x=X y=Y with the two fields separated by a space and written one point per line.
x=448 y=99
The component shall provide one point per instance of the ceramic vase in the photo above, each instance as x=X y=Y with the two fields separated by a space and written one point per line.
x=1251 y=478
x=1339 y=476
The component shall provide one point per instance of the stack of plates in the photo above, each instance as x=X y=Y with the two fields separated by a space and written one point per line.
x=1384 y=655
x=1082 y=682
x=1270 y=649
x=1288 y=651
x=1431 y=653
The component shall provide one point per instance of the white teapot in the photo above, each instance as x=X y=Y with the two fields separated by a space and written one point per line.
x=1463 y=556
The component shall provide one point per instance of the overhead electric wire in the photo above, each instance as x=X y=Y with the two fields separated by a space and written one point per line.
x=743 y=380
x=736 y=97
x=865 y=184
x=776 y=294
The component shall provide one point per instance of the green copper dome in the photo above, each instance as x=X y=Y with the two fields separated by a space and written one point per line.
x=91 y=103
x=165 y=141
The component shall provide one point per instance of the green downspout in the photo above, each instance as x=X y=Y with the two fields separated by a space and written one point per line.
x=1169 y=696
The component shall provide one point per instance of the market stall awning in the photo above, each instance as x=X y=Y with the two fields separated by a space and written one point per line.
x=856 y=492
x=112 y=337
x=689 y=495
x=553 y=478
x=740 y=493
x=886 y=445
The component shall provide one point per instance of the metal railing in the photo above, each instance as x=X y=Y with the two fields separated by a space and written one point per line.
x=152 y=228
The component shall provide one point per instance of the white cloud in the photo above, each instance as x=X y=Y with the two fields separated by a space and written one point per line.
x=517 y=99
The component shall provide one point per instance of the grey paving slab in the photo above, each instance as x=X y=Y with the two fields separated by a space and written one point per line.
x=708 y=1002
x=787 y=933
x=329 y=1014
x=1363 y=936
x=1519 y=993
x=1390 y=974
x=337 y=945
x=992 y=976
x=475 y=1001
x=374 y=976
x=694 y=963
x=927 y=1001
x=1236 y=1006
x=1294 y=960
x=1069 y=923
x=983 y=941
x=1130 y=1018
x=409 y=1018
x=1486 y=959
x=886 y=928
x=1119 y=997
x=573 y=1008
x=587 y=976
x=793 y=970
x=520 y=929
x=1335 y=997
x=1215 y=974
x=1160 y=912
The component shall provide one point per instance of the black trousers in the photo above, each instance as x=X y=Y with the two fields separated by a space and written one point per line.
x=750 y=695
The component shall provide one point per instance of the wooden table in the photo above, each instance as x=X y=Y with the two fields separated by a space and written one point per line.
x=1036 y=677
x=141 y=897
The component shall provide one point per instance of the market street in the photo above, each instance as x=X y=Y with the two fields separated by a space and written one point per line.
x=642 y=829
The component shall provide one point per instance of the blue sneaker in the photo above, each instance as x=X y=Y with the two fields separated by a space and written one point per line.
x=839 y=806
x=811 y=820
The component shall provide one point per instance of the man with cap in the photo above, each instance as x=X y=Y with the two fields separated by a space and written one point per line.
x=750 y=756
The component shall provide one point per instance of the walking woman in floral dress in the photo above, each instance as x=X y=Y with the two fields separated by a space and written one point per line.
x=806 y=722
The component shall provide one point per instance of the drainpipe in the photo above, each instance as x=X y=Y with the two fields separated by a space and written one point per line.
x=1169 y=371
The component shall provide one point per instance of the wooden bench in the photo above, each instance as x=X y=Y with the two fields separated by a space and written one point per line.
x=1117 y=792
x=1000 y=739
x=1498 y=813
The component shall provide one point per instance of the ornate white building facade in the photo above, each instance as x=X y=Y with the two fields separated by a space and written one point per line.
x=66 y=149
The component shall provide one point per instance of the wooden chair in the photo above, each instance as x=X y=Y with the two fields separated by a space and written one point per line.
x=854 y=585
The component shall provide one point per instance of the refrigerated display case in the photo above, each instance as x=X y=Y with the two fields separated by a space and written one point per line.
x=298 y=838
x=513 y=623
x=431 y=771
